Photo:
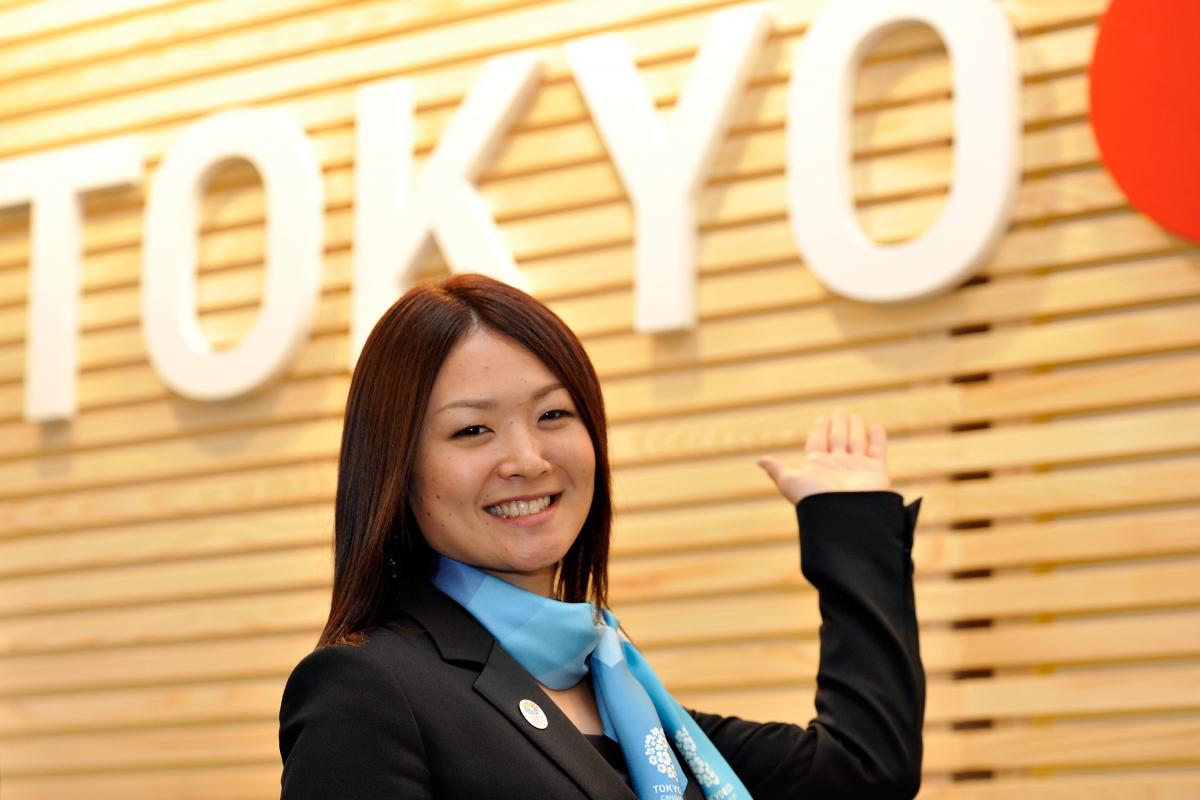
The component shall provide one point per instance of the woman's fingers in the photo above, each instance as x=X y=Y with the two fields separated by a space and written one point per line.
x=858 y=435
x=877 y=445
x=837 y=431
x=843 y=432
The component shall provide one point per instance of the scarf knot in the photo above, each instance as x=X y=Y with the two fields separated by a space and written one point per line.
x=561 y=643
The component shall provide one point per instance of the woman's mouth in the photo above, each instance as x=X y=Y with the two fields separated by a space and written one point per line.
x=515 y=509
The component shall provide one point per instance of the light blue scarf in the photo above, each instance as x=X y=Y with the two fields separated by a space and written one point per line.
x=559 y=643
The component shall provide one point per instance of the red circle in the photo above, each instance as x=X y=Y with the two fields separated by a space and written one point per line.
x=1145 y=107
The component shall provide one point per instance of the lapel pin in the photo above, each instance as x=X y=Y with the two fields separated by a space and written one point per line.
x=534 y=715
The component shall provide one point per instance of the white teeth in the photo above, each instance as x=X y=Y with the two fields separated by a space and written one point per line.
x=520 y=508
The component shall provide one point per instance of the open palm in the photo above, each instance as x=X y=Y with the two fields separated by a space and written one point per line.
x=842 y=454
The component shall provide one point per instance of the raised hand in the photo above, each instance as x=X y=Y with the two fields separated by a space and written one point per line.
x=842 y=455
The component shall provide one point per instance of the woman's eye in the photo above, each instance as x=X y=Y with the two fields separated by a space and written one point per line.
x=470 y=431
x=557 y=413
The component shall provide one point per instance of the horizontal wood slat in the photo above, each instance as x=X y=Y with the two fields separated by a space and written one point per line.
x=1075 y=744
x=1164 y=430
x=998 y=499
x=1101 y=639
x=51 y=16
x=1123 y=638
x=261 y=782
x=780 y=605
x=698 y=577
x=1080 y=694
x=1170 y=785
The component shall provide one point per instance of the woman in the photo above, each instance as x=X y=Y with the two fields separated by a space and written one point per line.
x=469 y=652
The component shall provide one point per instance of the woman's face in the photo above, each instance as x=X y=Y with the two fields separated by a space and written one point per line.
x=505 y=467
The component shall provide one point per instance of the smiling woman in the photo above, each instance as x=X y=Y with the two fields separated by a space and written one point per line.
x=426 y=375
x=469 y=650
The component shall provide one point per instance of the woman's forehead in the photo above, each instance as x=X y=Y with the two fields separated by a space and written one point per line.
x=488 y=368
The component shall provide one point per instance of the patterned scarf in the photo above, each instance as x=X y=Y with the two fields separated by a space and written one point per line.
x=559 y=643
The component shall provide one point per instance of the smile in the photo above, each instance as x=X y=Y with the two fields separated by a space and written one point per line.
x=522 y=508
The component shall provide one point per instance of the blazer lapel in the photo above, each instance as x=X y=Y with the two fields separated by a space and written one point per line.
x=504 y=683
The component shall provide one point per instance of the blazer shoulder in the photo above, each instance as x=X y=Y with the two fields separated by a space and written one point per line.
x=377 y=662
x=345 y=719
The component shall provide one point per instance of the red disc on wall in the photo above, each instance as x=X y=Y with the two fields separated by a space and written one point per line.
x=1145 y=107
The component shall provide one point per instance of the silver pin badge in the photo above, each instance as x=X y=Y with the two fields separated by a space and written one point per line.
x=534 y=714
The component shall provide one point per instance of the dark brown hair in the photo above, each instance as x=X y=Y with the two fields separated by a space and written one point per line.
x=385 y=409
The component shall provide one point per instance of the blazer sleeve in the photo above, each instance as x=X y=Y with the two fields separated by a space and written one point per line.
x=346 y=730
x=865 y=741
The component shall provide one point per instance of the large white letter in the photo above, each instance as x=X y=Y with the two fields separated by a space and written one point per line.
x=395 y=224
x=987 y=132
x=52 y=183
x=664 y=166
x=295 y=205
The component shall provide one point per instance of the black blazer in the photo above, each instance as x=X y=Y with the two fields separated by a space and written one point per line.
x=428 y=707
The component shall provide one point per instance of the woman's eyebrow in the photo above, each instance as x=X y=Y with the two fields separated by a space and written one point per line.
x=487 y=404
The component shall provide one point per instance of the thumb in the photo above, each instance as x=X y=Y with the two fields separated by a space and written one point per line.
x=772 y=467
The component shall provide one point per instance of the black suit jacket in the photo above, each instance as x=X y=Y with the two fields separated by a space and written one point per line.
x=429 y=706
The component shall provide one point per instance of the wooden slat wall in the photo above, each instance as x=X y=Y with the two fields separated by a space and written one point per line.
x=163 y=564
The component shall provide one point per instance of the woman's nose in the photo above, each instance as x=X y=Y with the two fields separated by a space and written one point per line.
x=523 y=455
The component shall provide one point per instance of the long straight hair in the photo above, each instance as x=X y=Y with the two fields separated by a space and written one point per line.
x=374 y=525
